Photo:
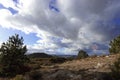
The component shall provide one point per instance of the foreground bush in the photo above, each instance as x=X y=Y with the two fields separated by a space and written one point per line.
x=115 y=70
x=34 y=75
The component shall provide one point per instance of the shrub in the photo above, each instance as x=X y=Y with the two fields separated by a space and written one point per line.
x=57 y=60
x=82 y=54
x=35 y=66
x=35 y=75
x=115 y=70
x=12 y=57
x=70 y=58
x=115 y=45
x=94 y=56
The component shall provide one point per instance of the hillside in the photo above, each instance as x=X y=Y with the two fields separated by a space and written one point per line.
x=92 y=68
x=100 y=63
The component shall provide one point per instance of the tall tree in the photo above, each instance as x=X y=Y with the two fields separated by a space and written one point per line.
x=115 y=45
x=12 y=57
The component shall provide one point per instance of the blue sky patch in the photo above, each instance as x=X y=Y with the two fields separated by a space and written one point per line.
x=52 y=6
x=1 y=6
x=16 y=1
x=117 y=20
x=13 y=11
x=28 y=38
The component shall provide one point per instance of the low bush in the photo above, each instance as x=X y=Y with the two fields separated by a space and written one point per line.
x=57 y=60
x=35 y=66
x=34 y=75
x=70 y=58
x=115 y=70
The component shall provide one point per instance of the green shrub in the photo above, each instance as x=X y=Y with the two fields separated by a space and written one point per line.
x=82 y=54
x=70 y=58
x=115 y=70
x=12 y=57
x=115 y=45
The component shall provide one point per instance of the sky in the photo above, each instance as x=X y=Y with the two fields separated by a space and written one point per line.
x=61 y=26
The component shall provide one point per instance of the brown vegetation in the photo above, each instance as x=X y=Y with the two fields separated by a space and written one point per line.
x=91 y=68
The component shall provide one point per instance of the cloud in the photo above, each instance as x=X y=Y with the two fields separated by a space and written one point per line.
x=67 y=25
x=0 y=43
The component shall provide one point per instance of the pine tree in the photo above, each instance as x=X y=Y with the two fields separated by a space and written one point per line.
x=115 y=45
x=12 y=56
x=82 y=54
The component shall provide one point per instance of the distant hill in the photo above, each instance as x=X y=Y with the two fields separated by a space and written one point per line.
x=66 y=56
x=39 y=55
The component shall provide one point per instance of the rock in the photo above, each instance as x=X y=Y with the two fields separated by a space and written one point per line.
x=78 y=77
x=64 y=75
x=107 y=56
x=99 y=65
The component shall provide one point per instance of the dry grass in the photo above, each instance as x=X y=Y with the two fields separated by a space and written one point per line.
x=100 y=63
